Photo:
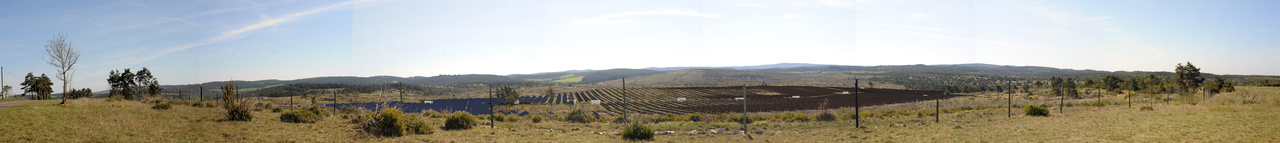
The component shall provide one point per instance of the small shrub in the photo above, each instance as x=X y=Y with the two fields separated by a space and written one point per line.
x=432 y=114
x=115 y=98
x=388 y=122
x=636 y=131
x=459 y=121
x=535 y=118
x=276 y=110
x=416 y=125
x=498 y=117
x=318 y=110
x=826 y=117
x=576 y=116
x=162 y=106
x=697 y=117
x=512 y=117
x=299 y=116
x=239 y=114
x=1146 y=108
x=1037 y=111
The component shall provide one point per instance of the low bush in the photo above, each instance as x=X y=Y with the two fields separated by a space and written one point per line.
x=576 y=116
x=299 y=116
x=696 y=117
x=432 y=114
x=459 y=121
x=636 y=131
x=536 y=118
x=416 y=125
x=826 y=117
x=319 y=110
x=276 y=110
x=1146 y=108
x=115 y=98
x=162 y=106
x=1037 y=111
x=512 y=117
x=387 y=122
x=239 y=114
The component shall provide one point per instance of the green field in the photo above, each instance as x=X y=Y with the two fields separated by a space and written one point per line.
x=1248 y=115
x=570 y=79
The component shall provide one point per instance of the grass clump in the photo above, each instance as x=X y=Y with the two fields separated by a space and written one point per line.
x=299 y=116
x=459 y=121
x=162 y=106
x=1146 y=108
x=636 y=131
x=536 y=118
x=576 y=116
x=392 y=122
x=1037 y=111
x=237 y=109
x=826 y=117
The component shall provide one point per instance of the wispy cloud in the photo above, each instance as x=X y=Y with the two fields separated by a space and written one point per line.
x=835 y=3
x=621 y=17
x=234 y=34
x=752 y=5
x=183 y=19
x=912 y=27
x=973 y=40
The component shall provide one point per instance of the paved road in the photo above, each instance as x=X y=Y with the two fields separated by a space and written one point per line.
x=7 y=104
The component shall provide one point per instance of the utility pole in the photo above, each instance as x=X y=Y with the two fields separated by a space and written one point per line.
x=492 y=126
x=1010 y=106
x=857 y=123
x=625 y=102
x=401 y=84
x=937 y=108
x=201 y=93
x=744 y=112
x=335 y=101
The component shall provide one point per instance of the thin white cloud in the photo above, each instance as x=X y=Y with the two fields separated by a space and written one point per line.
x=234 y=34
x=973 y=40
x=621 y=17
x=835 y=3
x=752 y=5
x=917 y=28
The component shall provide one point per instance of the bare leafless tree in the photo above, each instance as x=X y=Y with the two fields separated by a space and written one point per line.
x=62 y=55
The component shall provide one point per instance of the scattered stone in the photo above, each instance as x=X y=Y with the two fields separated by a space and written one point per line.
x=757 y=131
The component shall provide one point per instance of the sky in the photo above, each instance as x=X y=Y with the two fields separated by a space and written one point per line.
x=188 y=42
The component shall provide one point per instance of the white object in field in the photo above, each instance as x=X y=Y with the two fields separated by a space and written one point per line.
x=739 y=98
x=596 y=102
x=796 y=96
x=517 y=101
x=846 y=92
x=428 y=102
x=680 y=99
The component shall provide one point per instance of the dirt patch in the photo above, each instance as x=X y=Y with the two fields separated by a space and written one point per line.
x=8 y=104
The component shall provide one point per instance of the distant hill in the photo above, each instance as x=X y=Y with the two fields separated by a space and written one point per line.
x=701 y=75
x=589 y=77
x=769 y=66
x=434 y=80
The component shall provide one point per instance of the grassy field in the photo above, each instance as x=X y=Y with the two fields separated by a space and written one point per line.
x=570 y=79
x=1249 y=115
x=13 y=99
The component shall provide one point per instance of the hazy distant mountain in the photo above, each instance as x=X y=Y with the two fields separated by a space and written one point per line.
x=769 y=66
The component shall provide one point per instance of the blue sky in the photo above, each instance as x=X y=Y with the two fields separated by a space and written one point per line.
x=185 y=42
